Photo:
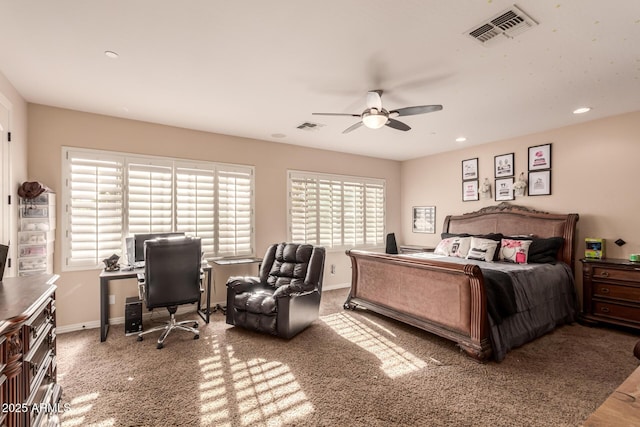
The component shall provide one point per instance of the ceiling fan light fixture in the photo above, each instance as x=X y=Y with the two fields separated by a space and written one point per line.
x=374 y=119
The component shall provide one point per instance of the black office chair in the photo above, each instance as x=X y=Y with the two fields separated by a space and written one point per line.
x=172 y=277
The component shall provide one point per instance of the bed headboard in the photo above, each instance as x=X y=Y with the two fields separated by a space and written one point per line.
x=513 y=220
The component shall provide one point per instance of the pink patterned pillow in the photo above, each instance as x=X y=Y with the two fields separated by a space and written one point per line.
x=515 y=250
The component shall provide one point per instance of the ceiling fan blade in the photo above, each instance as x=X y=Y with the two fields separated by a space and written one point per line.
x=352 y=127
x=336 y=114
x=374 y=99
x=396 y=124
x=421 y=109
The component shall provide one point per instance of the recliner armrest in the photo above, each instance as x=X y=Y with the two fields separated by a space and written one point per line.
x=288 y=290
x=243 y=283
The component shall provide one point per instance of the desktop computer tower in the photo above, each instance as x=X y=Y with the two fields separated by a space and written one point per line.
x=132 y=316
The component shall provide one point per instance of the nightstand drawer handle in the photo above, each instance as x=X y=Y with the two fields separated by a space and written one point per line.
x=604 y=290
x=604 y=309
x=604 y=274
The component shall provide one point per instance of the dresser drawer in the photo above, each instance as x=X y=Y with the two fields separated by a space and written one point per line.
x=616 y=274
x=627 y=293
x=615 y=311
x=38 y=323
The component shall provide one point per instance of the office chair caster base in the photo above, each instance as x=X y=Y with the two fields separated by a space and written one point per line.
x=195 y=337
x=140 y=338
x=159 y=346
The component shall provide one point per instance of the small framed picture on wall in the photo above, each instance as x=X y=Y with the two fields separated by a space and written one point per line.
x=470 y=169
x=424 y=219
x=503 y=165
x=504 y=189
x=540 y=183
x=540 y=157
x=470 y=190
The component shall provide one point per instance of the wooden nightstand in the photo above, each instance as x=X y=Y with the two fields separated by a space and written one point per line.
x=611 y=292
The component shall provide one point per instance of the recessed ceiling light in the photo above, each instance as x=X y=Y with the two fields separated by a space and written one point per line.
x=581 y=110
x=461 y=139
x=110 y=54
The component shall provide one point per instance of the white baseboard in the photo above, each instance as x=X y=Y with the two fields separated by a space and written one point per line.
x=336 y=286
x=95 y=324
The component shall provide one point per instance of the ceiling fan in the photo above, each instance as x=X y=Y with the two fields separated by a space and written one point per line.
x=374 y=116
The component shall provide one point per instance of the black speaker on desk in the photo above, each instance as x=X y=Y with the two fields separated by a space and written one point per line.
x=132 y=316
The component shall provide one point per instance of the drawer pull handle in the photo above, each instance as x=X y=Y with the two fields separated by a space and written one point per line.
x=605 y=309
x=604 y=290
x=604 y=274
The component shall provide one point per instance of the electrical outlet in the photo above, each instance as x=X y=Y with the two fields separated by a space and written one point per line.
x=333 y=269
x=112 y=299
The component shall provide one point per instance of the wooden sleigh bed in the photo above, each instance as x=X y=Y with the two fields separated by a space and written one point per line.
x=448 y=297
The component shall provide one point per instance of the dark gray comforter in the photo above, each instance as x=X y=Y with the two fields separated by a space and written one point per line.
x=545 y=298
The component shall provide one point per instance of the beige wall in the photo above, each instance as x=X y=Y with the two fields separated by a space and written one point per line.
x=17 y=156
x=51 y=128
x=595 y=170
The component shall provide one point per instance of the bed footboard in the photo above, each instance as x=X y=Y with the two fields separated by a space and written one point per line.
x=439 y=297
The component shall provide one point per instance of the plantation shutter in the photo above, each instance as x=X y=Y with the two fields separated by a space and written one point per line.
x=150 y=202
x=195 y=204
x=303 y=209
x=109 y=196
x=335 y=211
x=94 y=208
x=235 y=212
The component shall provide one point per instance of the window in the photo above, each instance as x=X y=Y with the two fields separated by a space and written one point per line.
x=110 y=196
x=336 y=211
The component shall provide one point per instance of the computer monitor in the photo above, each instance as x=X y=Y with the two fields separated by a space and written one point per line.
x=139 y=240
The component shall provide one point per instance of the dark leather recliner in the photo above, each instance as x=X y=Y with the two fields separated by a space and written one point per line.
x=285 y=299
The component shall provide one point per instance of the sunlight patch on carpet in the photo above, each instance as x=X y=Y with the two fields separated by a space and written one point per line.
x=78 y=407
x=267 y=392
x=395 y=360
x=214 y=407
x=264 y=392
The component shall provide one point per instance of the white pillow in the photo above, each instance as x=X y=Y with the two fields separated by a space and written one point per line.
x=517 y=251
x=453 y=246
x=482 y=249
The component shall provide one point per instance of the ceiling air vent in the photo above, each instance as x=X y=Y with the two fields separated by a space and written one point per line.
x=508 y=23
x=309 y=126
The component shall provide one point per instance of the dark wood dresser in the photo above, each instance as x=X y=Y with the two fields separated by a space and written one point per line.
x=29 y=392
x=611 y=292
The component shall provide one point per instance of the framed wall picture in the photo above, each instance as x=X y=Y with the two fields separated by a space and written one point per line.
x=503 y=165
x=540 y=157
x=470 y=169
x=470 y=190
x=424 y=219
x=540 y=183
x=504 y=189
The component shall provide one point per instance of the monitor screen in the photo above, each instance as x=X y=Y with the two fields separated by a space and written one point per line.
x=139 y=240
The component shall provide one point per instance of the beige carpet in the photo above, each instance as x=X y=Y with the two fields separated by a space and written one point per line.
x=350 y=368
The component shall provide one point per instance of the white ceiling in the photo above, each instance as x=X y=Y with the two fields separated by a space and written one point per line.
x=260 y=68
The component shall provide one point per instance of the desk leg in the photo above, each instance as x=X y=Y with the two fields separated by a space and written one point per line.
x=205 y=313
x=104 y=308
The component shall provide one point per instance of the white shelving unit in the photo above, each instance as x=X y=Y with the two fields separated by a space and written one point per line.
x=36 y=234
